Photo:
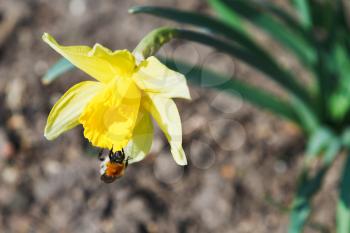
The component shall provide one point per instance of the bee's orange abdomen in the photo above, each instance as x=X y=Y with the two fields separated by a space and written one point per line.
x=115 y=169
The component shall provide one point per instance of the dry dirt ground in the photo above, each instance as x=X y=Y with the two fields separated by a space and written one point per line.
x=243 y=162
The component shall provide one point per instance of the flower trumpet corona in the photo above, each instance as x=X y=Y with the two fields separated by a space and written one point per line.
x=115 y=110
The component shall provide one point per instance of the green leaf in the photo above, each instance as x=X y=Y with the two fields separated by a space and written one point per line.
x=345 y=137
x=308 y=119
x=58 y=69
x=308 y=186
x=296 y=43
x=254 y=95
x=252 y=54
x=299 y=96
x=303 y=9
x=233 y=19
x=284 y=79
x=339 y=103
x=317 y=142
x=286 y=18
x=207 y=23
x=228 y=16
x=326 y=16
x=343 y=205
x=331 y=151
x=217 y=26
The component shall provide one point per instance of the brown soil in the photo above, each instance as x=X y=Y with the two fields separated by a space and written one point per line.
x=243 y=162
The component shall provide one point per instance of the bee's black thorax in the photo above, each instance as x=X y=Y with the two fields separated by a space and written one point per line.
x=117 y=157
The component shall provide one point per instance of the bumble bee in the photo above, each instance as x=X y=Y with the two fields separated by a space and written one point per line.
x=112 y=166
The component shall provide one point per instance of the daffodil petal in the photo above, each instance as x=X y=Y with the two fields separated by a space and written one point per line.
x=98 y=62
x=141 y=142
x=65 y=113
x=165 y=112
x=110 y=117
x=154 y=77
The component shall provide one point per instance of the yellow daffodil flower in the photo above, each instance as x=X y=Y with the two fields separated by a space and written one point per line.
x=115 y=110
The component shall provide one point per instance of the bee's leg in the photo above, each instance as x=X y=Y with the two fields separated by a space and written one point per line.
x=100 y=155
x=122 y=154
x=110 y=154
x=127 y=159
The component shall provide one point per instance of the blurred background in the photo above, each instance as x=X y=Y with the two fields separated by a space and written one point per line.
x=242 y=161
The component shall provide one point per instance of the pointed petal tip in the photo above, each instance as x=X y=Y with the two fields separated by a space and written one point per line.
x=48 y=136
x=179 y=156
x=181 y=162
x=46 y=37
x=187 y=96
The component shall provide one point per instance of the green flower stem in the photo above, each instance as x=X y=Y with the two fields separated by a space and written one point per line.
x=153 y=41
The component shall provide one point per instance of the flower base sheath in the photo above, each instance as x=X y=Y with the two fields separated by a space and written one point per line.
x=115 y=110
